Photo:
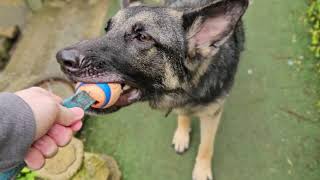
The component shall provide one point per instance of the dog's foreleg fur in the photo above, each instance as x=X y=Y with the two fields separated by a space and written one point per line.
x=209 y=123
x=181 y=137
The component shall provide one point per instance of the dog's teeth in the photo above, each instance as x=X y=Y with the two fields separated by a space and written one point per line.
x=126 y=87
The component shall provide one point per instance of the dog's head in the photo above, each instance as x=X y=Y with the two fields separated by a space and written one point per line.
x=152 y=51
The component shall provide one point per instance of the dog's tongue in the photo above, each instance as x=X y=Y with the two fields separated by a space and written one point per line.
x=128 y=97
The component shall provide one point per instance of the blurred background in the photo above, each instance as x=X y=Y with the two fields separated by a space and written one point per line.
x=270 y=129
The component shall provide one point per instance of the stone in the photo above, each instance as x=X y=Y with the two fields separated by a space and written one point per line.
x=8 y=35
x=4 y=47
x=56 y=3
x=71 y=162
x=93 y=167
x=9 y=32
x=35 y=5
x=4 y=54
x=98 y=166
x=115 y=173
x=65 y=163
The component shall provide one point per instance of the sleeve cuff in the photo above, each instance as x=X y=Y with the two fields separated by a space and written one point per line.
x=17 y=130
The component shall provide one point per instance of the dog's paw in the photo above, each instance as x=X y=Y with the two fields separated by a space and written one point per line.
x=202 y=171
x=181 y=140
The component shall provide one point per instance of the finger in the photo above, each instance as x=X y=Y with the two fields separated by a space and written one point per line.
x=34 y=159
x=57 y=98
x=60 y=134
x=76 y=126
x=67 y=116
x=47 y=146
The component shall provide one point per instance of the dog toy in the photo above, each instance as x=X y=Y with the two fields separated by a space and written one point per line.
x=101 y=95
x=104 y=94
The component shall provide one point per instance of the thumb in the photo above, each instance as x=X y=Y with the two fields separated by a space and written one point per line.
x=67 y=117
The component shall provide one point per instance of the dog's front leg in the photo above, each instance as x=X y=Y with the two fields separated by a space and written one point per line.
x=181 y=138
x=209 y=124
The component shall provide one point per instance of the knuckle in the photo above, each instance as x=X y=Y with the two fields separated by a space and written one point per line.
x=56 y=106
x=53 y=105
x=38 y=89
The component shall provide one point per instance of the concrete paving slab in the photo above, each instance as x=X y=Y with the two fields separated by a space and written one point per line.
x=13 y=12
x=48 y=30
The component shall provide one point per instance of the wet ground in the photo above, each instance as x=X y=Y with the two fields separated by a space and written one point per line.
x=269 y=129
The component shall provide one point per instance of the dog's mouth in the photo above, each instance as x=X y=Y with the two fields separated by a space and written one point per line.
x=128 y=96
x=131 y=93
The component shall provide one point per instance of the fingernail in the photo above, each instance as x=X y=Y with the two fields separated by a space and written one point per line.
x=34 y=159
x=78 y=113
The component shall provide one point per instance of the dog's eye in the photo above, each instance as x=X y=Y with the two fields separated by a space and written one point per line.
x=144 y=37
x=140 y=34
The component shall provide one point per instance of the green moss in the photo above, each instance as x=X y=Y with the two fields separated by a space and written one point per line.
x=313 y=15
x=26 y=174
x=93 y=167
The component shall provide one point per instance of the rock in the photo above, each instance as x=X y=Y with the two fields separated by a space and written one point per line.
x=8 y=36
x=9 y=32
x=4 y=54
x=97 y=166
x=93 y=167
x=4 y=47
x=35 y=5
x=115 y=173
x=65 y=164
x=56 y=3
x=72 y=163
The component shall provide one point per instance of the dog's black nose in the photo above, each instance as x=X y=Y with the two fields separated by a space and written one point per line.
x=69 y=58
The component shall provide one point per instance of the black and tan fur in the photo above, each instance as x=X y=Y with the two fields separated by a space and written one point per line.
x=182 y=57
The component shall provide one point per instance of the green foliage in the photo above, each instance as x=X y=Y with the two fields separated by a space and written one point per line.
x=26 y=174
x=313 y=15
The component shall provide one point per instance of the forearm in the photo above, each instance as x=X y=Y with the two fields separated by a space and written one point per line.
x=17 y=129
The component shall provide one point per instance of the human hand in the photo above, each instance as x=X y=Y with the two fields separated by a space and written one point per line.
x=55 y=124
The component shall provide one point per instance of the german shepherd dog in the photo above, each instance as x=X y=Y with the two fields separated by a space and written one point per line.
x=182 y=57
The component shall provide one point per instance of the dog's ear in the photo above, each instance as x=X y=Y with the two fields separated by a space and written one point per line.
x=128 y=3
x=210 y=26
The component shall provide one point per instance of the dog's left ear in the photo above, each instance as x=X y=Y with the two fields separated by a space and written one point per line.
x=210 y=26
x=129 y=3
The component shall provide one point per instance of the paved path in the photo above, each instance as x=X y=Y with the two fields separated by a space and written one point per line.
x=269 y=130
x=44 y=33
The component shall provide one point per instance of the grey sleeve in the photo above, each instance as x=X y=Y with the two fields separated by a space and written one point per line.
x=17 y=130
